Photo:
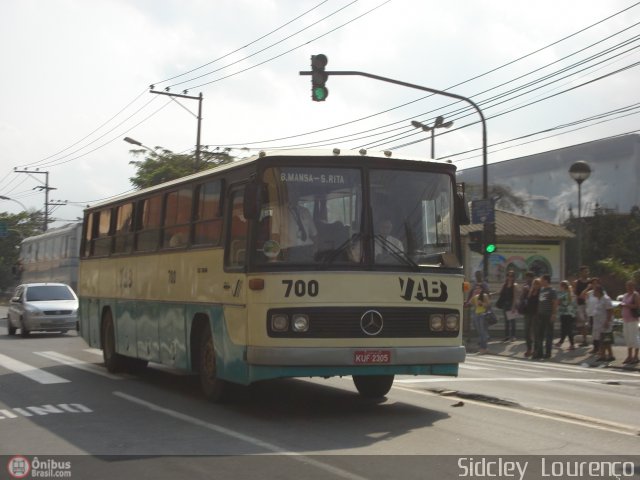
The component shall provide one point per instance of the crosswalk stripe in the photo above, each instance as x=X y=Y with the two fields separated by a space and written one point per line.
x=79 y=364
x=29 y=371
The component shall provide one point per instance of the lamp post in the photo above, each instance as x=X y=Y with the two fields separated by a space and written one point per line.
x=2 y=197
x=439 y=123
x=580 y=171
x=137 y=143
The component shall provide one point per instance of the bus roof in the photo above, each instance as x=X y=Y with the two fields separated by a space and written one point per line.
x=336 y=152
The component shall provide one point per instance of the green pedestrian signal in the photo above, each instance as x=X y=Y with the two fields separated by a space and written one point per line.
x=319 y=91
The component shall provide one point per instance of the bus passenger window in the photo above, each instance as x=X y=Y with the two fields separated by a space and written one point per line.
x=148 y=223
x=177 y=214
x=207 y=228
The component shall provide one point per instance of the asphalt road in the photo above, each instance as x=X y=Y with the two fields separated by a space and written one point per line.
x=56 y=399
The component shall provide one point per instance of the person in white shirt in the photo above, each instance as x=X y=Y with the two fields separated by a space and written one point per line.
x=390 y=243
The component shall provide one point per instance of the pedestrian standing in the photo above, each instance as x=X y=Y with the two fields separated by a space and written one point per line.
x=566 y=312
x=507 y=303
x=630 y=315
x=590 y=305
x=603 y=323
x=582 y=321
x=480 y=303
x=547 y=311
x=530 y=311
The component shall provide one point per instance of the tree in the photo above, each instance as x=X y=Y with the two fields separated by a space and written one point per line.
x=502 y=194
x=19 y=226
x=162 y=165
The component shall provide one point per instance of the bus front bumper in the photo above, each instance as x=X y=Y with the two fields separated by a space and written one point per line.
x=350 y=356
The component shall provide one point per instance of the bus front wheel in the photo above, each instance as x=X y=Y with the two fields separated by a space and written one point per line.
x=373 y=386
x=214 y=389
x=113 y=361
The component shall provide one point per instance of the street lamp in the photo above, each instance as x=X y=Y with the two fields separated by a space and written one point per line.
x=580 y=171
x=439 y=123
x=137 y=143
x=2 y=197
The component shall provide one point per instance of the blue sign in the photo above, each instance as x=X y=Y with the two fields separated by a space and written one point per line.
x=483 y=211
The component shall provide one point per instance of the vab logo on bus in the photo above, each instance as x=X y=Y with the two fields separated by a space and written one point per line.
x=423 y=289
x=18 y=466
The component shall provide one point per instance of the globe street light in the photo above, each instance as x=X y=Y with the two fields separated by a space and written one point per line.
x=2 y=197
x=580 y=171
x=439 y=123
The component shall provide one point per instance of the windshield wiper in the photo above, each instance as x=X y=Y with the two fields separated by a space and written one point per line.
x=396 y=252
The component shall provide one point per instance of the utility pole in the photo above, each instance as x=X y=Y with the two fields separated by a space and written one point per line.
x=199 y=116
x=46 y=189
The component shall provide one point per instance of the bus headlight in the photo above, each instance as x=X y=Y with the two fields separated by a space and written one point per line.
x=452 y=322
x=436 y=322
x=279 y=322
x=300 y=322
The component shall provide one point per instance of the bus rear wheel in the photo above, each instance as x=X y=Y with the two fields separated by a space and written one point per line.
x=214 y=389
x=113 y=361
x=373 y=386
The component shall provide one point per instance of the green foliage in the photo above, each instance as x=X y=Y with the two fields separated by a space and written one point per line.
x=19 y=226
x=163 y=165
x=609 y=244
x=503 y=195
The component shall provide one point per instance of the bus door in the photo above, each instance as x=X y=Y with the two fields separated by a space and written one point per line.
x=234 y=284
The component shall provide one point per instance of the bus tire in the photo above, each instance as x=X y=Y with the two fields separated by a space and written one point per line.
x=214 y=389
x=373 y=386
x=113 y=361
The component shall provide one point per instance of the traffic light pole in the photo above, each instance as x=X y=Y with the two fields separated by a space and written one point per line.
x=485 y=188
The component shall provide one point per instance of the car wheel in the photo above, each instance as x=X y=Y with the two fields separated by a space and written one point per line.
x=112 y=360
x=24 y=333
x=373 y=386
x=214 y=389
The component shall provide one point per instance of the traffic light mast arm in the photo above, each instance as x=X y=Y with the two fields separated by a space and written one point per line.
x=485 y=192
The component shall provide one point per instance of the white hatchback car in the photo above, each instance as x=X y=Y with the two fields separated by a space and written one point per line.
x=51 y=307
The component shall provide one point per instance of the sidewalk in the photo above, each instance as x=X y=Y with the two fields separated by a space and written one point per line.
x=579 y=356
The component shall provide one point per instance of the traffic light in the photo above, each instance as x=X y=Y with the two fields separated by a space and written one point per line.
x=490 y=240
x=475 y=241
x=319 y=92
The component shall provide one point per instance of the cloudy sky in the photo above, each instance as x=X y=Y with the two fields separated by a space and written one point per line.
x=76 y=74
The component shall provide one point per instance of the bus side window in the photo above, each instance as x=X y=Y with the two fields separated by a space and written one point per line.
x=237 y=246
x=101 y=234
x=148 y=223
x=207 y=228
x=177 y=214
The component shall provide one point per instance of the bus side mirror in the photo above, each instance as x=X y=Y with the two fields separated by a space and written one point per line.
x=251 y=205
x=462 y=209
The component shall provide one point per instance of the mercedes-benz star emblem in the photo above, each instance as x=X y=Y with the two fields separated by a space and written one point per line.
x=371 y=322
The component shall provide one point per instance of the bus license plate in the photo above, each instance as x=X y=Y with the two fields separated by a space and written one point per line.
x=371 y=356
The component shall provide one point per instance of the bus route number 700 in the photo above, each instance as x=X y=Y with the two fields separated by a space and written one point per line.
x=300 y=288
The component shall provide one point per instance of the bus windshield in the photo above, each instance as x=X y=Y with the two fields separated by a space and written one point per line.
x=322 y=216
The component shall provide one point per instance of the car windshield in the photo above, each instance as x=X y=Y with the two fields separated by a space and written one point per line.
x=49 y=292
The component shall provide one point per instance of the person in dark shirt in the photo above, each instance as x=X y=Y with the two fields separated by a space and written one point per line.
x=547 y=311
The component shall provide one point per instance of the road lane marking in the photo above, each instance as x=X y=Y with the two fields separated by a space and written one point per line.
x=532 y=364
x=556 y=415
x=464 y=366
x=29 y=371
x=79 y=364
x=241 y=436
x=505 y=379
